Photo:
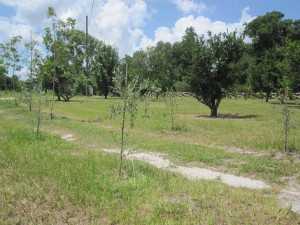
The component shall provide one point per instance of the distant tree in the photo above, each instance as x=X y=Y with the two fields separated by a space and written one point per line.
x=80 y=55
x=184 y=52
x=138 y=64
x=104 y=65
x=290 y=65
x=265 y=75
x=268 y=33
x=213 y=63
x=63 y=66
x=3 y=76
x=34 y=63
x=11 y=58
x=241 y=72
x=159 y=66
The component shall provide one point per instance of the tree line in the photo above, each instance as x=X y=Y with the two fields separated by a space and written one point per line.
x=264 y=59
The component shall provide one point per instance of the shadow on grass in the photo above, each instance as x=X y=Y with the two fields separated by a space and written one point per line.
x=294 y=105
x=220 y=116
x=291 y=103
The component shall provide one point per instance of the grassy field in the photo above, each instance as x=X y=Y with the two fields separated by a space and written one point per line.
x=50 y=180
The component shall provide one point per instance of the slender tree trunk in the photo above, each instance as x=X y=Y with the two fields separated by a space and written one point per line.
x=31 y=72
x=52 y=101
x=5 y=92
x=172 y=111
x=122 y=138
x=30 y=95
x=54 y=71
x=58 y=97
x=123 y=126
x=38 y=117
x=286 y=127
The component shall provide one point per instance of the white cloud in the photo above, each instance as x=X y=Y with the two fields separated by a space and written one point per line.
x=116 y=22
x=201 y=24
x=119 y=22
x=188 y=6
x=9 y=29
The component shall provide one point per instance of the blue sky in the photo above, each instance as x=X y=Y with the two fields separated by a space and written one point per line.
x=135 y=24
x=220 y=10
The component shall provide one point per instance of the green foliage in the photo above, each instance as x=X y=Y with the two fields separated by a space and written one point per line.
x=267 y=31
x=184 y=52
x=270 y=34
x=213 y=64
x=62 y=63
x=288 y=121
x=114 y=111
x=157 y=64
x=290 y=65
x=103 y=68
x=11 y=61
x=129 y=91
x=148 y=91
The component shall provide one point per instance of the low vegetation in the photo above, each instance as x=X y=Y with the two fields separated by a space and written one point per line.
x=50 y=180
x=47 y=178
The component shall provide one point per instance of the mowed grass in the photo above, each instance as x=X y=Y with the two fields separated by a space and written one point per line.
x=53 y=181
x=244 y=125
x=252 y=123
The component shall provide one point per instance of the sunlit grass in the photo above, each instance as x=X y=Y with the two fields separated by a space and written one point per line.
x=252 y=124
x=51 y=181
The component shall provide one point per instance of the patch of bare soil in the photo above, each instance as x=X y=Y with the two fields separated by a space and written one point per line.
x=246 y=151
x=68 y=137
x=290 y=157
x=290 y=196
x=192 y=173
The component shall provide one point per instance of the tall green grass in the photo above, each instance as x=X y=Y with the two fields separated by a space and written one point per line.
x=51 y=181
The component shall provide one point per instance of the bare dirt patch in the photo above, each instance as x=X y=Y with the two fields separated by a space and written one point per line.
x=288 y=197
x=68 y=137
x=192 y=173
x=246 y=151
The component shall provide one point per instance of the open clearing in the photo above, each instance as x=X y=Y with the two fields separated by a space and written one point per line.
x=192 y=173
x=223 y=170
x=287 y=197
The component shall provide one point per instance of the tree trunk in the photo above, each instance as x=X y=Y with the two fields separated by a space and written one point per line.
x=268 y=94
x=52 y=100
x=123 y=125
x=213 y=111
x=58 y=97
x=214 y=105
